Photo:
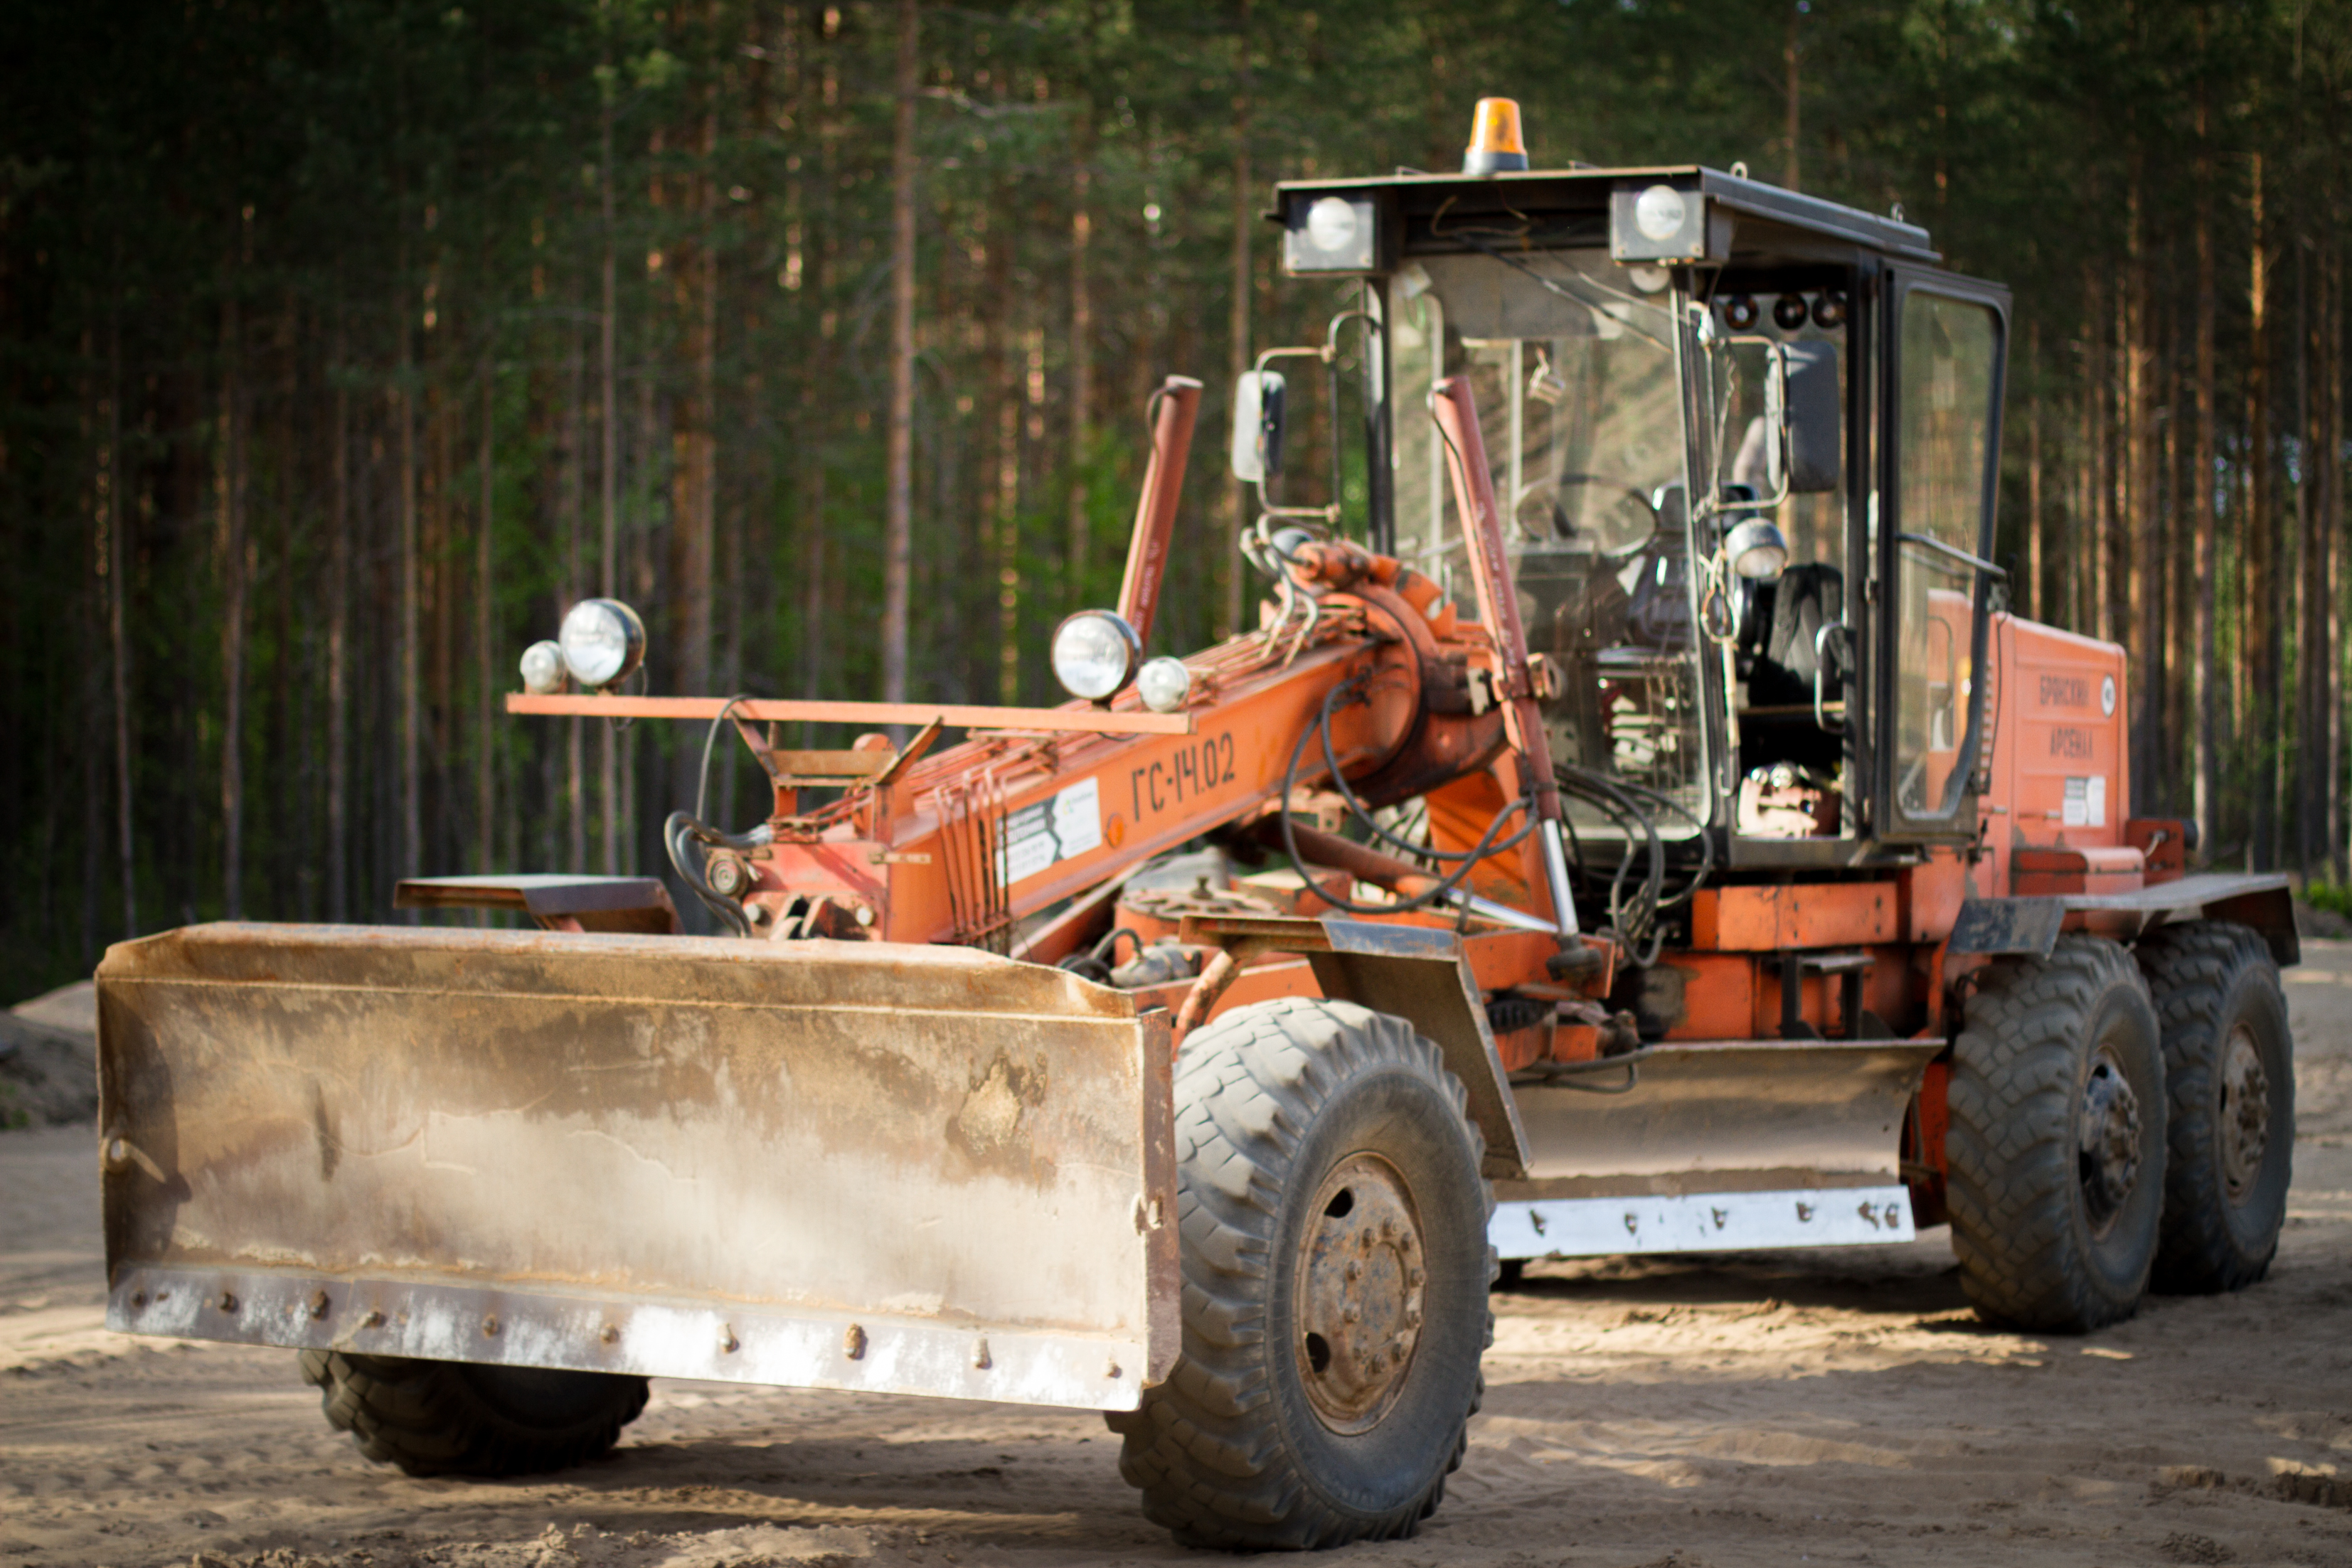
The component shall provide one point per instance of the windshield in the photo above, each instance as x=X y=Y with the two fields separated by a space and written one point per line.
x=1571 y=358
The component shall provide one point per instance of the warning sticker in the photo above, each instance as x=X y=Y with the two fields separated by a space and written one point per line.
x=1037 y=835
x=2086 y=802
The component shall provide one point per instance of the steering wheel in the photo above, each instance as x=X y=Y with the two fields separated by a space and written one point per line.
x=1554 y=524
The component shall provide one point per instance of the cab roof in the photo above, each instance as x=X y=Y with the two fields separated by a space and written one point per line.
x=1572 y=207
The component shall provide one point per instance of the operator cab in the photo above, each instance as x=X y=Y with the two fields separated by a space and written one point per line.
x=1743 y=442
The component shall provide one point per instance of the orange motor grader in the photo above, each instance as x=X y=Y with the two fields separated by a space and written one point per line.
x=1646 y=831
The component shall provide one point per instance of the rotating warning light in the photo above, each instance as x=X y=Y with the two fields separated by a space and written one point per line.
x=1495 y=144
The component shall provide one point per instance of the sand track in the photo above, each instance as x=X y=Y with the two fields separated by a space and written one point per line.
x=1822 y=1407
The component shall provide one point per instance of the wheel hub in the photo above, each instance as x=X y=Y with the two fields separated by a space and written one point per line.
x=1361 y=1267
x=2245 y=1116
x=2107 y=1143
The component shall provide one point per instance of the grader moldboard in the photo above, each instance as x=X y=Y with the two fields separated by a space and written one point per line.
x=1731 y=870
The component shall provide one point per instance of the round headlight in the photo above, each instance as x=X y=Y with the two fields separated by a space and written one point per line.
x=1757 y=549
x=1094 y=652
x=1163 y=685
x=1331 y=225
x=542 y=669
x=603 y=641
x=1659 y=211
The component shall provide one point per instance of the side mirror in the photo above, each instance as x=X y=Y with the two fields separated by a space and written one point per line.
x=1257 y=426
x=1802 y=406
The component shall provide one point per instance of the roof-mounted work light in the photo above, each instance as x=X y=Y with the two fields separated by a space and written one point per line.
x=1330 y=234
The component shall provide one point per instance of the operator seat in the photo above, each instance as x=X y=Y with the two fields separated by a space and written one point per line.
x=1777 y=724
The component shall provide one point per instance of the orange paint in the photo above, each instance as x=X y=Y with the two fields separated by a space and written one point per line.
x=1793 y=914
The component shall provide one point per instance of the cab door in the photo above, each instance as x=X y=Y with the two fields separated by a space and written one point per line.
x=1945 y=352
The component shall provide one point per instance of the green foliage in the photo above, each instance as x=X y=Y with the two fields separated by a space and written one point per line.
x=238 y=240
x=2336 y=897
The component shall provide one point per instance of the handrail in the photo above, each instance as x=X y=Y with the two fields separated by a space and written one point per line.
x=1927 y=541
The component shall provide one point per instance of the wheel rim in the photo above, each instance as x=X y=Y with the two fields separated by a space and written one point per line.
x=2245 y=1118
x=1361 y=1267
x=2107 y=1141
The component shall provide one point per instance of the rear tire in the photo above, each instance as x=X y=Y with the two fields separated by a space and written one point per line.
x=2228 y=1065
x=457 y=1418
x=1333 y=1224
x=2056 y=1148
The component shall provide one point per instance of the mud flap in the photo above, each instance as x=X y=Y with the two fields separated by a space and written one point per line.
x=828 y=1165
x=1716 y=1147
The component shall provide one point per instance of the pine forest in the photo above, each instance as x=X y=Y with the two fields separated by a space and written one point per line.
x=344 y=344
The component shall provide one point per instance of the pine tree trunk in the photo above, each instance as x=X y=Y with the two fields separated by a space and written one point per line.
x=233 y=591
x=339 y=630
x=898 y=539
x=1082 y=372
x=2311 y=825
x=1005 y=507
x=608 y=478
x=1229 y=569
x=2262 y=711
x=486 y=650
x=2036 y=522
x=119 y=557
x=2205 y=764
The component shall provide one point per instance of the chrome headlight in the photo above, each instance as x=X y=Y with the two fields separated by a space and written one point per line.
x=542 y=669
x=1757 y=549
x=1094 y=652
x=1163 y=685
x=603 y=641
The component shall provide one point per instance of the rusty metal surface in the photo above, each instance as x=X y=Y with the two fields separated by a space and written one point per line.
x=1419 y=972
x=660 y=1135
x=1753 y=1117
x=2261 y=900
x=626 y=904
x=1997 y=925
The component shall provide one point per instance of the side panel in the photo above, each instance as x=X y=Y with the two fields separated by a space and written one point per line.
x=832 y=1165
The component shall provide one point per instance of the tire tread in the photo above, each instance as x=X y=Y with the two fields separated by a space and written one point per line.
x=1203 y=1450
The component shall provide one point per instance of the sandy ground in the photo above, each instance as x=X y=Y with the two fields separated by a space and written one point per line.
x=1822 y=1407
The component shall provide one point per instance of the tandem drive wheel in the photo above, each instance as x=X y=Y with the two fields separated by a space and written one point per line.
x=1333 y=1219
x=2056 y=1149
x=2229 y=1064
x=456 y=1418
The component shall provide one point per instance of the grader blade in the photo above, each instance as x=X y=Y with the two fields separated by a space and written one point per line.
x=831 y=1164
x=1716 y=1147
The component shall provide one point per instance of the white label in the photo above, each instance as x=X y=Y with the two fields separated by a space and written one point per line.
x=1039 y=835
x=2086 y=802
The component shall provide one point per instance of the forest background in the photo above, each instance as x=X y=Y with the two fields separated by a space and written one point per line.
x=345 y=343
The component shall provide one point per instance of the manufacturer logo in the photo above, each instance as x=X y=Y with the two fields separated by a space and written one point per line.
x=2107 y=695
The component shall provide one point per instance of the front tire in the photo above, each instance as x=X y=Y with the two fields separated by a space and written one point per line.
x=2056 y=1148
x=1333 y=1224
x=457 y=1418
x=2229 y=1064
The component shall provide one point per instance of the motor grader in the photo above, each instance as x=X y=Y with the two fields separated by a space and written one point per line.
x=1639 y=826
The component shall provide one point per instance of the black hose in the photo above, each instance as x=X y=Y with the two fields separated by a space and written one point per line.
x=1446 y=884
x=682 y=831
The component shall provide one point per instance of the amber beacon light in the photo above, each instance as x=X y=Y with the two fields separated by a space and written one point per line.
x=1494 y=143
